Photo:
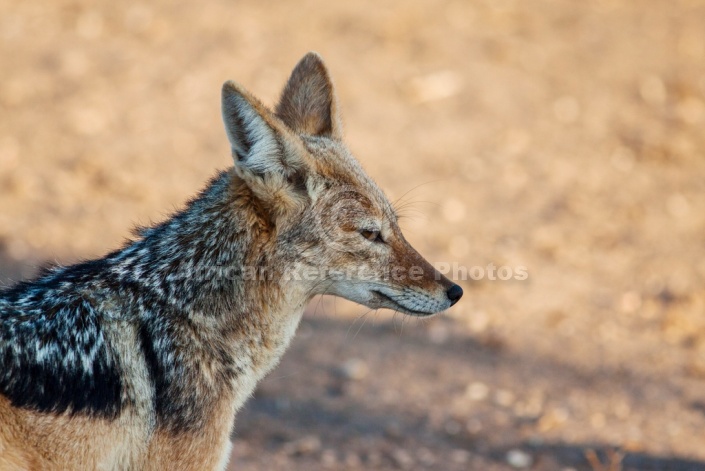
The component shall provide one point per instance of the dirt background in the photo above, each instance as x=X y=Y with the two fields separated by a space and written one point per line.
x=566 y=137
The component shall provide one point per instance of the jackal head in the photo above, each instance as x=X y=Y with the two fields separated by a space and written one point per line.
x=334 y=227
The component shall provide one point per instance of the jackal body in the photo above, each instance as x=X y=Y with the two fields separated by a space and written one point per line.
x=141 y=359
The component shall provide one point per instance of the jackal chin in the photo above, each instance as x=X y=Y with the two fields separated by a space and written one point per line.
x=406 y=300
x=409 y=301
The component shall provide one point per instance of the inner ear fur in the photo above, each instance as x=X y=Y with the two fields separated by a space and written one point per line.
x=308 y=104
x=268 y=157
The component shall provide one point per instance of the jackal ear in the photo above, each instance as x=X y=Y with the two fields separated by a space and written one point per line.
x=265 y=155
x=308 y=104
x=249 y=126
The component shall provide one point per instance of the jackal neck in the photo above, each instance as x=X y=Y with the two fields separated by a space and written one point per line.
x=194 y=259
x=205 y=326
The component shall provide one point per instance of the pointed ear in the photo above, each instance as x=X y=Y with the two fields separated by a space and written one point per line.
x=248 y=125
x=308 y=104
x=265 y=155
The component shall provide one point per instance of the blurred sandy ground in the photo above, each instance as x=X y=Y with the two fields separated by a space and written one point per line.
x=563 y=136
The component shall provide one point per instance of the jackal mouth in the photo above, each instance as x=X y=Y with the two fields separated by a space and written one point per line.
x=400 y=307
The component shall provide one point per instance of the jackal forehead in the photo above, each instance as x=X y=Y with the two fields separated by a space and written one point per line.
x=343 y=176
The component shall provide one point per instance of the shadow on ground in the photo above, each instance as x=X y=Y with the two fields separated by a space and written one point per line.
x=379 y=399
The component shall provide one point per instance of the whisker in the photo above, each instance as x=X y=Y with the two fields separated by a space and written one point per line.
x=362 y=325
x=353 y=323
x=398 y=200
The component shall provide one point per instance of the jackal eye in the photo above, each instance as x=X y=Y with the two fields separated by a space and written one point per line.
x=371 y=235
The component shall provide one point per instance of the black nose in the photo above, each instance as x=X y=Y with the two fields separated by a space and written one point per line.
x=454 y=294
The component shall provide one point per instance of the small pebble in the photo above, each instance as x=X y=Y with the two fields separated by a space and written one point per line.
x=329 y=459
x=355 y=369
x=435 y=86
x=403 y=459
x=519 y=459
x=504 y=398
x=477 y=391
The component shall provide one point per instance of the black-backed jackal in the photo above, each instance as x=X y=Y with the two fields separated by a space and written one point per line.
x=140 y=360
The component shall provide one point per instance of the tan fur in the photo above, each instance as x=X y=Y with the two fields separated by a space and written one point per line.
x=33 y=441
